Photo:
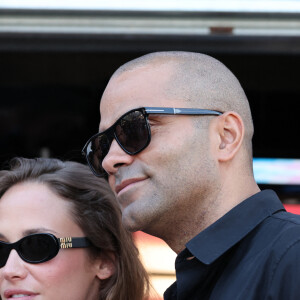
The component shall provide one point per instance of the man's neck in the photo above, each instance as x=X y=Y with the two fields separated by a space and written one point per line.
x=179 y=231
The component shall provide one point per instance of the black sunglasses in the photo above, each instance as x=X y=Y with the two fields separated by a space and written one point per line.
x=40 y=247
x=132 y=132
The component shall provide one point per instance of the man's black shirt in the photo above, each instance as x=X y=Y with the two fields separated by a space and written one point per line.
x=252 y=252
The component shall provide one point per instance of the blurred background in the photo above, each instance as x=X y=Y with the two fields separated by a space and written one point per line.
x=56 y=58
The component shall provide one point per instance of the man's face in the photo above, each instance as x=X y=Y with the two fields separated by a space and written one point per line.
x=166 y=179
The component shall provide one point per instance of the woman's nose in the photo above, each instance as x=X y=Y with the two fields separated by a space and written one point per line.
x=14 y=268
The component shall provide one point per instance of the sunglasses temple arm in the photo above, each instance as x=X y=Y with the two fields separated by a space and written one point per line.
x=71 y=242
x=195 y=111
x=181 y=111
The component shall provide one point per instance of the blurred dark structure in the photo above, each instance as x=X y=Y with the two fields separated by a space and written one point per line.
x=54 y=66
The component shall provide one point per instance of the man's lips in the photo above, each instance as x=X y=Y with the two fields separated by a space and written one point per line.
x=8 y=294
x=127 y=182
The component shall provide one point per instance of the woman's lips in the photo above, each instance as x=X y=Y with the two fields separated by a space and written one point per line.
x=19 y=294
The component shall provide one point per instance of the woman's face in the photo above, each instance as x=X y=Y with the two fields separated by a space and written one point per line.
x=28 y=208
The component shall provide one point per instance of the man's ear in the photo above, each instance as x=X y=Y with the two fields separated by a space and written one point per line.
x=105 y=266
x=231 y=132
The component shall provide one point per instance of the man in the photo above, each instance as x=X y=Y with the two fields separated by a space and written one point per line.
x=187 y=178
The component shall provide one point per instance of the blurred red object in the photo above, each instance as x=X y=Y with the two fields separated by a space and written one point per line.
x=293 y=208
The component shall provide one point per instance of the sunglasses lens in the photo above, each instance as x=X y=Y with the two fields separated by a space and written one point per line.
x=38 y=248
x=132 y=132
x=97 y=149
x=4 y=253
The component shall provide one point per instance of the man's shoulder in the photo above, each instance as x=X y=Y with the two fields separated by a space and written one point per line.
x=287 y=233
x=274 y=236
x=285 y=222
x=287 y=217
x=284 y=266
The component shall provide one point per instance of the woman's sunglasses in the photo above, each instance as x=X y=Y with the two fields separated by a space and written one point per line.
x=132 y=132
x=40 y=247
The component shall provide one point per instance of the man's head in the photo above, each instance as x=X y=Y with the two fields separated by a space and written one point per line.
x=183 y=167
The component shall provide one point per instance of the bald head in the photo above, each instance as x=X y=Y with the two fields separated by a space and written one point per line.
x=201 y=81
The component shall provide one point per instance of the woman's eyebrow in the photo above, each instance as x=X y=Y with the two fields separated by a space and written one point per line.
x=31 y=231
x=38 y=230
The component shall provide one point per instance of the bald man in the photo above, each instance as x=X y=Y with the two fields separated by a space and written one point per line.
x=175 y=142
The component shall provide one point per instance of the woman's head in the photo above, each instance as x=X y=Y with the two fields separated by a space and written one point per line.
x=65 y=199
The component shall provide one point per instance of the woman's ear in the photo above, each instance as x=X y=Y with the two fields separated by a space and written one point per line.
x=105 y=266
x=231 y=132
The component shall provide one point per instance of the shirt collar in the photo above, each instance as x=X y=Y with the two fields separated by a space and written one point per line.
x=219 y=237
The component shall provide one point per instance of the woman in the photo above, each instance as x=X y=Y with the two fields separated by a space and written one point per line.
x=61 y=236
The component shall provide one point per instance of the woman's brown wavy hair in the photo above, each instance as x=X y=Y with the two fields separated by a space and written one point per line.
x=97 y=213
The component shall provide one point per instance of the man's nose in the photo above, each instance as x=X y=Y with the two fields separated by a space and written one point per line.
x=115 y=158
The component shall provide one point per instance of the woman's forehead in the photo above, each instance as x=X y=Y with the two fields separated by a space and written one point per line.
x=33 y=205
